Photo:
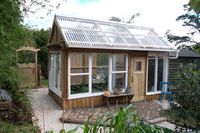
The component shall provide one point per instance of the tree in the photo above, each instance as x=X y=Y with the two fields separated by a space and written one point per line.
x=131 y=20
x=115 y=19
x=192 y=20
x=11 y=35
x=40 y=38
x=195 y=4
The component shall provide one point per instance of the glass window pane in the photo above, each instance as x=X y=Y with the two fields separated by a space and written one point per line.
x=151 y=75
x=138 y=66
x=107 y=28
x=121 y=29
x=54 y=73
x=118 y=80
x=101 y=59
x=160 y=73
x=79 y=62
x=79 y=84
x=119 y=62
x=96 y=36
x=99 y=72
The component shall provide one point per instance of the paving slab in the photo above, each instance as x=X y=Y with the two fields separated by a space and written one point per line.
x=47 y=112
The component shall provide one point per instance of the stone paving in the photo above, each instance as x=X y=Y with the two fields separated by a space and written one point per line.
x=47 y=112
x=147 y=110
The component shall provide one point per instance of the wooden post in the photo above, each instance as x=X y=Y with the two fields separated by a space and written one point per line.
x=36 y=71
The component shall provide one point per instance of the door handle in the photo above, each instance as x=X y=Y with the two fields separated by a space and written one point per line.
x=132 y=78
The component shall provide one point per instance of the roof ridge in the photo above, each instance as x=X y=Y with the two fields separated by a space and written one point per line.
x=108 y=21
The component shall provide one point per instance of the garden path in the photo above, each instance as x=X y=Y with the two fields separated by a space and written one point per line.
x=47 y=112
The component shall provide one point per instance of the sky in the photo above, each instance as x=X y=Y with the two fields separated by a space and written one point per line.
x=159 y=14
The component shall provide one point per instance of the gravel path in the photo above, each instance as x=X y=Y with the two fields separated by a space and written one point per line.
x=48 y=112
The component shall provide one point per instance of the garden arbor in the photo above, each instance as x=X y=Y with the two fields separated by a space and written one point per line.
x=29 y=72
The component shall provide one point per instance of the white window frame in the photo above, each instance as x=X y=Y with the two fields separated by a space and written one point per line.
x=57 y=90
x=72 y=96
x=165 y=71
x=110 y=72
x=117 y=72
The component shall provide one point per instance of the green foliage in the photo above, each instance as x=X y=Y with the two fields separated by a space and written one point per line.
x=186 y=108
x=191 y=20
x=124 y=121
x=6 y=127
x=40 y=38
x=195 y=4
x=44 y=82
x=11 y=36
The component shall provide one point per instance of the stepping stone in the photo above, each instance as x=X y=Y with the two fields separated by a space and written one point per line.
x=157 y=120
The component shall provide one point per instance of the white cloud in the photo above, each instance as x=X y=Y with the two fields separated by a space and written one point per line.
x=159 y=14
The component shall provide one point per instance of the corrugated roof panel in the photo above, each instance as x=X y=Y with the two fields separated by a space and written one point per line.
x=96 y=36
x=121 y=29
x=130 y=39
x=85 y=32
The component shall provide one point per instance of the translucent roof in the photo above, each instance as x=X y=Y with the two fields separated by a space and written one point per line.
x=79 y=32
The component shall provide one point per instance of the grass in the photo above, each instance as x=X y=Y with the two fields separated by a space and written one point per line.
x=44 y=82
x=8 y=127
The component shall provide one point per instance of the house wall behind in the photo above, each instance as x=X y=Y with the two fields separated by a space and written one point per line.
x=175 y=63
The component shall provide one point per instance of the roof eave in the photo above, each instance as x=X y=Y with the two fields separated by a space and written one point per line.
x=128 y=48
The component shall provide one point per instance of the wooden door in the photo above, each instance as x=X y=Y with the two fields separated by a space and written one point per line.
x=138 y=76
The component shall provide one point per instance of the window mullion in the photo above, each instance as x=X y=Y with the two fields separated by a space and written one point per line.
x=69 y=77
x=110 y=74
x=156 y=74
x=90 y=73
x=119 y=72
x=77 y=74
x=126 y=78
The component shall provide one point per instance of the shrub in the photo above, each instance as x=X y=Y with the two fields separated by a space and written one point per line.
x=6 y=127
x=124 y=121
x=186 y=108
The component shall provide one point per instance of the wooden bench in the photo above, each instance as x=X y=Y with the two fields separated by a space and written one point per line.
x=107 y=99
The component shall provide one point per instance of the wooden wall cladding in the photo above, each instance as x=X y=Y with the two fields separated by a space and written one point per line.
x=94 y=101
x=58 y=100
x=83 y=102
x=88 y=102
x=152 y=97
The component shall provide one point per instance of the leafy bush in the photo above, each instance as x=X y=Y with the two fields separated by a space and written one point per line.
x=124 y=121
x=186 y=108
x=6 y=127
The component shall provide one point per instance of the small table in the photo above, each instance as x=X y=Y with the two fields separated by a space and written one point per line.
x=128 y=98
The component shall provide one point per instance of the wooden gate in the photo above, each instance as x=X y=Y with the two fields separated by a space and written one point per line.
x=29 y=73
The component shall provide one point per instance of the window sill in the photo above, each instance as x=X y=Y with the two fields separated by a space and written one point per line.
x=153 y=93
x=84 y=95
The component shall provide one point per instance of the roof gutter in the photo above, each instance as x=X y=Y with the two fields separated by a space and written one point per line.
x=176 y=55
